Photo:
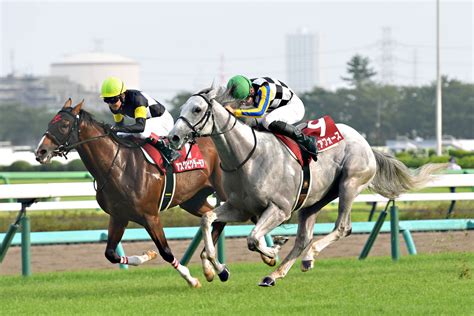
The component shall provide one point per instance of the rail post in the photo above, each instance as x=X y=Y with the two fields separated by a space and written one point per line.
x=25 y=246
x=394 y=232
x=374 y=233
x=409 y=241
x=8 y=240
x=191 y=248
x=221 y=247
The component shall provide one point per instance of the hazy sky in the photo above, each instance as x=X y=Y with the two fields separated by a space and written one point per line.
x=179 y=44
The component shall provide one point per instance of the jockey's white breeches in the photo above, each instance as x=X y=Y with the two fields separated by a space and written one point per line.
x=290 y=113
x=161 y=126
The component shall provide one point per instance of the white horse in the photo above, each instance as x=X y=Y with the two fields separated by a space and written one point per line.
x=262 y=179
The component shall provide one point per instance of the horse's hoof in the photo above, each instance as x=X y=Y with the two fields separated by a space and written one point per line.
x=268 y=261
x=267 y=282
x=306 y=265
x=209 y=274
x=224 y=275
x=151 y=254
x=195 y=283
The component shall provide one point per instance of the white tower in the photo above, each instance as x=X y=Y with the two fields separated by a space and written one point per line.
x=302 y=60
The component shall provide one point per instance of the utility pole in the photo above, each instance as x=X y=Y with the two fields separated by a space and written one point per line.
x=439 y=125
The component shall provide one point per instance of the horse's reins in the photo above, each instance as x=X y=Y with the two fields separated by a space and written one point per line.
x=64 y=147
x=205 y=118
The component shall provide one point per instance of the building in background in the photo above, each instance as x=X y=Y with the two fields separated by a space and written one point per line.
x=302 y=60
x=45 y=91
x=76 y=76
x=90 y=69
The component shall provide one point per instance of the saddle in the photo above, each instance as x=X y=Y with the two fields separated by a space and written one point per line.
x=327 y=135
x=323 y=129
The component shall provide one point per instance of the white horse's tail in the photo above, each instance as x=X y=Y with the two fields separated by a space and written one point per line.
x=394 y=178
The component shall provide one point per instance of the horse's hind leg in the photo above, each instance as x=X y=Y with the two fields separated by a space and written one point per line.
x=155 y=229
x=116 y=229
x=115 y=234
x=307 y=260
x=349 y=188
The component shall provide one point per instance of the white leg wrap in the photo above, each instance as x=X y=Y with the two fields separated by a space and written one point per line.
x=184 y=271
x=135 y=260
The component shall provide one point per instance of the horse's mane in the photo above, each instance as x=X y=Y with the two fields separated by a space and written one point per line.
x=124 y=141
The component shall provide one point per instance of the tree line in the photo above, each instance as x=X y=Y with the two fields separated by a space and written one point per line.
x=379 y=111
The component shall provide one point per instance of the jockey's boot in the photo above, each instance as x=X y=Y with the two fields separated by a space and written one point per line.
x=307 y=142
x=163 y=146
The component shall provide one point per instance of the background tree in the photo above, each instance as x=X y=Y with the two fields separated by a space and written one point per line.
x=359 y=71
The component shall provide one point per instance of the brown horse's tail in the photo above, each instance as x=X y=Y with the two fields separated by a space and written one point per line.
x=394 y=178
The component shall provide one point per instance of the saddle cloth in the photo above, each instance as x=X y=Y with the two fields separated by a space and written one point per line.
x=191 y=159
x=325 y=131
x=188 y=161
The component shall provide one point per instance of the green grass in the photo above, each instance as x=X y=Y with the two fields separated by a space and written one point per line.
x=417 y=285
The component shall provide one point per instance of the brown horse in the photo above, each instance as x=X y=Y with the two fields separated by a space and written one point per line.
x=129 y=188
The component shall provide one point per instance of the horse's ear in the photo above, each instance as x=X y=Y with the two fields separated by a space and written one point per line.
x=77 y=108
x=214 y=85
x=213 y=91
x=67 y=104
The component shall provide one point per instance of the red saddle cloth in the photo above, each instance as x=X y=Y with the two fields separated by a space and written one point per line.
x=325 y=131
x=188 y=161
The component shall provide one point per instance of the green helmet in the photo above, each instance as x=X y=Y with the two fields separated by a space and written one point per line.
x=112 y=87
x=239 y=87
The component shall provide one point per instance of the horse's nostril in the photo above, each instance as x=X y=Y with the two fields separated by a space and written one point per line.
x=175 y=139
x=42 y=152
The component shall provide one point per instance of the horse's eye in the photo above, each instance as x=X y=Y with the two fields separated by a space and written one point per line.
x=197 y=110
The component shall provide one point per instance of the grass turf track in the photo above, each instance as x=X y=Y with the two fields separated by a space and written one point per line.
x=416 y=285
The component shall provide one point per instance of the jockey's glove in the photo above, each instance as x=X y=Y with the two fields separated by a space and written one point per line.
x=116 y=128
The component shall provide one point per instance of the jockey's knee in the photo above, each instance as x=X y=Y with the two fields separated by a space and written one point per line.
x=112 y=256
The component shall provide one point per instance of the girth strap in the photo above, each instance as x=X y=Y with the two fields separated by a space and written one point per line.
x=304 y=187
x=169 y=188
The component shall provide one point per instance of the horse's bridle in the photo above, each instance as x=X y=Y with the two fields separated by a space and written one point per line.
x=204 y=119
x=65 y=144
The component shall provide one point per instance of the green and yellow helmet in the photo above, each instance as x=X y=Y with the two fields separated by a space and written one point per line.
x=239 y=87
x=112 y=87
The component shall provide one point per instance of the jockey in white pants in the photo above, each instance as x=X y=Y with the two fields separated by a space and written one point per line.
x=274 y=106
x=150 y=116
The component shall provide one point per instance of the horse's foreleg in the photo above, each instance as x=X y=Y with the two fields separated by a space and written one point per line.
x=155 y=230
x=303 y=240
x=224 y=213
x=270 y=218
x=208 y=269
